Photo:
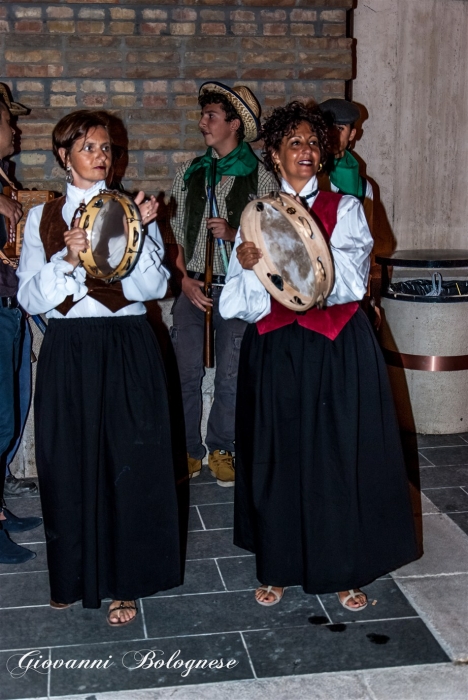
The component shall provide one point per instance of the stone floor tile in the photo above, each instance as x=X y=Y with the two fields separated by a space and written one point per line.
x=442 y=440
x=318 y=649
x=21 y=589
x=210 y=493
x=442 y=603
x=423 y=461
x=24 y=506
x=239 y=572
x=31 y=685
x=385 y=600
x=29 y=628
x=37 y=564
x=461 y=519
x=218 y=516
x=449 y=500
x=225 y=612
x=445 y=549
x=124 y=674
x=438 y=477
x=437 y=682
x=209 y=544
x=200 y=577
x=446 y=456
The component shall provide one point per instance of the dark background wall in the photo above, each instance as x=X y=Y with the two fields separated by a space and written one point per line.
x=144 y=61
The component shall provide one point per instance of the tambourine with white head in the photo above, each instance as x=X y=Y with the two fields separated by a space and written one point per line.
x=297 y=266
x=113 y=226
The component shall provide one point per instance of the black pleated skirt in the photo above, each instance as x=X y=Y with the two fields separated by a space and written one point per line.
x=104 y=460
x=322 y=496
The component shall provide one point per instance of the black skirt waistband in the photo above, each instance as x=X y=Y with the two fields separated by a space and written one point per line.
x=97 y=321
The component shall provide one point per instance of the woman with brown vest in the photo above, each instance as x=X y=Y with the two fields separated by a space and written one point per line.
x=103 y=437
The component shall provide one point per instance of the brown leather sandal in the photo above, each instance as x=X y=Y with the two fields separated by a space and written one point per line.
x=58 y=606
x=122 y=606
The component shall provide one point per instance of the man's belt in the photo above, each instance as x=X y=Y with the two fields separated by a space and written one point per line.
x=218 y=280
x=9 y=302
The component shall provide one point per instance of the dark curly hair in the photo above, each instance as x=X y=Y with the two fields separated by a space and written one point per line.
x=210 y=97
x=284 y=120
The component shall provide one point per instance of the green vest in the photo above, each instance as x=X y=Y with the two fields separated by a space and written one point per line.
x=195 y=203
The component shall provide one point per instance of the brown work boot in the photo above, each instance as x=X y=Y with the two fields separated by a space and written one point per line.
x=194 y=466
x=221 y=464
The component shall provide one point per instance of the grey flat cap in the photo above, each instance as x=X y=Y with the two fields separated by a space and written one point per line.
x=342 y=111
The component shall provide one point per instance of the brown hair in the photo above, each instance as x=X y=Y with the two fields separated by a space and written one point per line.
x=75 y=126
x=210 y=97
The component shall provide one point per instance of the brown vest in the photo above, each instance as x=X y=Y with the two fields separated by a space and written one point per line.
x=51 y=230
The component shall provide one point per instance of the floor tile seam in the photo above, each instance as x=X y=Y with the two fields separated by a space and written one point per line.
x=212 y=529
x=49 y=673
x=441 y=466
x=251 y=663
x=442 y=574
x=149 y=639
x=464 y=489
x=220 y=503
x=200 y=519
x=440 y=447
x=14 y=573
x=440 y=488
x=186 y=595
x=221 y=575
x=143 y=618
x=228 y=556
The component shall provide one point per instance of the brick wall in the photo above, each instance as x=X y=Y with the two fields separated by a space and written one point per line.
x=144 y=61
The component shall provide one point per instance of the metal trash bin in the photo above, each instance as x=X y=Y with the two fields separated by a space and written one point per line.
x=424 y=338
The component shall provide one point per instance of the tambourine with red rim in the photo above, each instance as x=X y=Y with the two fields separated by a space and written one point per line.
x=113 y=226
x=297 y=266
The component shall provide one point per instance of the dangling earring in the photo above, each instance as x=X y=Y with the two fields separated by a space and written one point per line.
x=320 y=168
x=69 y=175
x=276 y=167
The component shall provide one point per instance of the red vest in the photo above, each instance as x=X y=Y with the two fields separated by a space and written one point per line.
x=331 y=320
x=51 y=229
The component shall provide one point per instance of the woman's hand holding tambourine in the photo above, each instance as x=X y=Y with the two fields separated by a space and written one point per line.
x=148 y=208
x=248 y=255
x=76 y=242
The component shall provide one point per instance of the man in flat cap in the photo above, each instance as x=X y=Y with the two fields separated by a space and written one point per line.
x=10 y=342
x=344 y=174
x=229 y=120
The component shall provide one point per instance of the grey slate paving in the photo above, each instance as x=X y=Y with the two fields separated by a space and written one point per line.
x=127 y=656
x=319 y=649
x=449 y=500
x=446 y=456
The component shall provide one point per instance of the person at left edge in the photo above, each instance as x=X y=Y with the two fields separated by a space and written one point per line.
x=103 y=438
x=10 y=345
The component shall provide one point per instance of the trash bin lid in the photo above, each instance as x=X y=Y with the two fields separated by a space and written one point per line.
x=425 y=258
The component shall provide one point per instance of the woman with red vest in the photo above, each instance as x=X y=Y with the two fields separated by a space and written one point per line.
x=322 y=496
x=103 y=436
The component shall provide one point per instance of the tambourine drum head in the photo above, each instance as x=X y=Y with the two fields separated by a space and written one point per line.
x=287 y=250
x=108 y=237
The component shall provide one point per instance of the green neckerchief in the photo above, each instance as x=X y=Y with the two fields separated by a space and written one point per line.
x=345 y=175
x=239 y=162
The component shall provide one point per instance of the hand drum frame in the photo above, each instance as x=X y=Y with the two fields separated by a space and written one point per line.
x=113 y=226
x=297 y=266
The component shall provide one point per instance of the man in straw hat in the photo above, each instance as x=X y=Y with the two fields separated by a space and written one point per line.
x=229 y=121
x=10 y=342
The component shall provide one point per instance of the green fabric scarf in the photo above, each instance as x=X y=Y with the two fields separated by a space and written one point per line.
x=345 y=175
x=239 y=162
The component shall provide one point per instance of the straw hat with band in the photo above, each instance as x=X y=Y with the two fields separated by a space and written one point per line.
x=244 y=102
x=14 y=107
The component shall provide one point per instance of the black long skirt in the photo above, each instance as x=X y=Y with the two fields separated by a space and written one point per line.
x=322 y=496
x=103 y=451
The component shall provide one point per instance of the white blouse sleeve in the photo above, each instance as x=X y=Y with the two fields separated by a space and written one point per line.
x=351 y=244
x=149 y=278
x=44 y=285
x=243 y=296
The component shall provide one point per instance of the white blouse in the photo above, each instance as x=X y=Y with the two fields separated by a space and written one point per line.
x=44 y=285
x=245 y=297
